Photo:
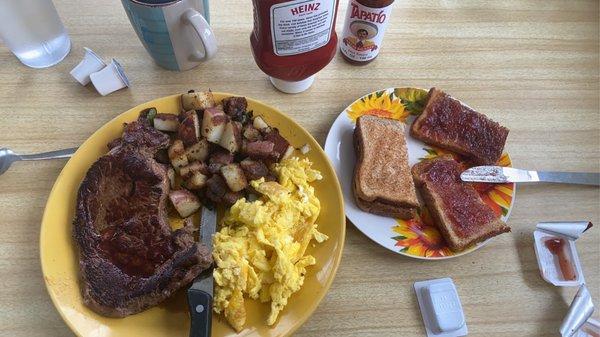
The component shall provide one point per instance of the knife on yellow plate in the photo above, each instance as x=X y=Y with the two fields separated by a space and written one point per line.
x=200 y=294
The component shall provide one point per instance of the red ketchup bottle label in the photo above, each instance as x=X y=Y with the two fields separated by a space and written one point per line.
x=301 y=26
x=363 y=31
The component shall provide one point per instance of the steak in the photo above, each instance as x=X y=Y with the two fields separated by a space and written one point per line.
x=129 y=257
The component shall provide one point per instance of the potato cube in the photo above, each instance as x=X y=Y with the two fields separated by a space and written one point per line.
x=231 y=139
x=166 y=122
x=171 y=175
x=259 y=123
x=176 y=149
x=197 y=100
x=198 y=151
x=193 y=167
x=288 y=152
x=196 y=181
x=189 y=129
x=185 y=202
x=213 y=124
x=234 y=177
x=177 y=155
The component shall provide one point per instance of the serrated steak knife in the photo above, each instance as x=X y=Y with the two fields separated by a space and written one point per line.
x=200 y=294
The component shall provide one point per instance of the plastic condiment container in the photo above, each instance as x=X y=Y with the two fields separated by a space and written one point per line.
x=110 y=79
x=90 y=64
x=441 y=309
x=548 y=262
x=293 y=40
x=591 y=328
x=556 y=261
x=580 y=312
x=364 y=27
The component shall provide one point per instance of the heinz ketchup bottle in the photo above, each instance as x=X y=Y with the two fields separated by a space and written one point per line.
x=293 y=40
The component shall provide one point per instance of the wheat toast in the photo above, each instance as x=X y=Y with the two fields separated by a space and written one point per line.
x=447 y=123
x=383 y=209
x=382 y=180
x=455 y=206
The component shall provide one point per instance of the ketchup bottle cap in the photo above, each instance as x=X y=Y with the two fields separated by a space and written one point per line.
x=292 y=87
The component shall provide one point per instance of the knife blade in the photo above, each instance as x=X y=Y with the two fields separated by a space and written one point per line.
x=200 y=294
x=498 y=174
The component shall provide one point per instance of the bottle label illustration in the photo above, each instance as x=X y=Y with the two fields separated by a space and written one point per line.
x=301 y=26
x=363 y=32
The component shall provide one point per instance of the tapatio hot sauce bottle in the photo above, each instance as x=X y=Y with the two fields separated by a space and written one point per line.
x=293 y=40
x=366 y=21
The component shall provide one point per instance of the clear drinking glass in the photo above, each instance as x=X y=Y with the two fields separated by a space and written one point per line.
x=32 y=30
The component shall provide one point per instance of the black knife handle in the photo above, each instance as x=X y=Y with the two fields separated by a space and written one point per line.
x=200 y=304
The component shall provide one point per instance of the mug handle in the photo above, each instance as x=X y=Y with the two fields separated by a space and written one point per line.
x=205 y=33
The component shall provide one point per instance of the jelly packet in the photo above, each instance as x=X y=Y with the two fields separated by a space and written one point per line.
x=559 y=265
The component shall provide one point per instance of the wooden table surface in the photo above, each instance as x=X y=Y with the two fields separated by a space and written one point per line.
x=531 y=65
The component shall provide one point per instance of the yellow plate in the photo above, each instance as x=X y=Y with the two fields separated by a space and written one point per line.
x=60 y=263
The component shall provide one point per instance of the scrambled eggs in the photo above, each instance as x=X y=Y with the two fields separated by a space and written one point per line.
x=260 y=250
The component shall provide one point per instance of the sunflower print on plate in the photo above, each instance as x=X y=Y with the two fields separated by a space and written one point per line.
x=420 y=237
x=395 y=104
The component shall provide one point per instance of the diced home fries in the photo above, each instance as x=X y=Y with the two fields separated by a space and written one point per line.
x=222 y=154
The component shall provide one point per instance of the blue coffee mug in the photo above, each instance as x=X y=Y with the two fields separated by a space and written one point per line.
x=175 y=33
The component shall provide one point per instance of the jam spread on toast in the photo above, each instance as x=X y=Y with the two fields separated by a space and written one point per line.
x=461 y=202
x=448 y=121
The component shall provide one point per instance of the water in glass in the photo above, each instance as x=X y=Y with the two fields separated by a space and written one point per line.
x=32 y=30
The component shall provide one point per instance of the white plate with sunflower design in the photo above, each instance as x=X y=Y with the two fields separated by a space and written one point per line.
x=418 y=237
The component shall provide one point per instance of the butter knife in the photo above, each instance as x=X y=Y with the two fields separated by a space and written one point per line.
x=498 y=174
x=200 y=294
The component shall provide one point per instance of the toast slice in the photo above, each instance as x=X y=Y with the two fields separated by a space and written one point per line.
x=385 y=209
x=457 y=209
x=382 y=180
x=451 y=125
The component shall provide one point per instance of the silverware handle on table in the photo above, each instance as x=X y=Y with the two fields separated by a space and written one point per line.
x=7 y=156
x=570 y=178
x=58 y=154
x=497 y=174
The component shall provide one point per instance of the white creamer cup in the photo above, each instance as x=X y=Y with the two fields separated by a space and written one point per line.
x=110 y=79
x=90 y=64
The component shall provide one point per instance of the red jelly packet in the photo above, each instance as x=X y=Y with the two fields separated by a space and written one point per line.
x=558 y=265
x=557 y=256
